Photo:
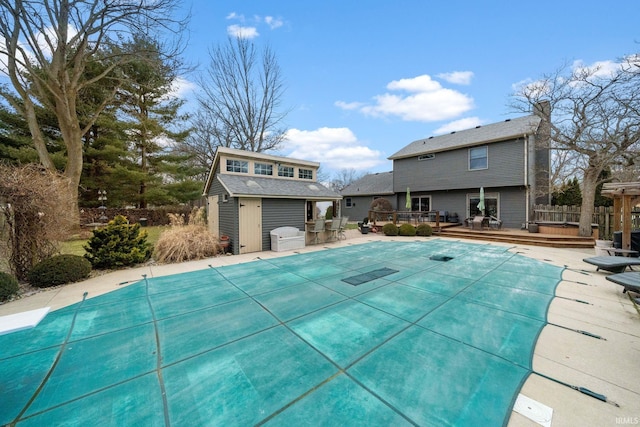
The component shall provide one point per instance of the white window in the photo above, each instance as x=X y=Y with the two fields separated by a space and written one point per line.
x=239 y=166
x=491 y=204
x=478 y=158
x=263 y=169
x=305 y=173
x=426 y=157
x=285 y=171
x=421 y=204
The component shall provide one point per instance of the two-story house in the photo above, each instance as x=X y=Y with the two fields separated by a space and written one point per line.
x=510 y=160
x=249 y=194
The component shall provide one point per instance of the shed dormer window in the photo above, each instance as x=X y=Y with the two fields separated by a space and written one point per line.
x=263 y=169
x=305 y=173
x=240 y=166
x=286 y=171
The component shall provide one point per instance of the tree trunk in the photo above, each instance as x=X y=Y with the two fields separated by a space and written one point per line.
x=588 y=198
x=72 y=136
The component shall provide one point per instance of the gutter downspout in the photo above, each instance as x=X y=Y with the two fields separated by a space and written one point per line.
x=526 y=180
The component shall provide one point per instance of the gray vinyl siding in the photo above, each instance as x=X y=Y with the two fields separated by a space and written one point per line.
x=512 y=203
x=449 y=170
x=512 y=207
x=281 y=213
x=228 y=212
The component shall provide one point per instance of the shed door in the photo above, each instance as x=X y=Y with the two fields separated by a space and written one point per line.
x=250 y=224
x=213 y=216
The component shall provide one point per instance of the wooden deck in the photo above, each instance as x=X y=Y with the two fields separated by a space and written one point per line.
x=517 y=236
x=510 y=235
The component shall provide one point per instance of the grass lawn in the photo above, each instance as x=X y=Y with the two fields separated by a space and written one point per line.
x=76 y=246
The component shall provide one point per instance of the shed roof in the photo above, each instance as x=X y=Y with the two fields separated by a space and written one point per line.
x=251 y=155
x=370 y=185
x=501 y=131
x=253 y=186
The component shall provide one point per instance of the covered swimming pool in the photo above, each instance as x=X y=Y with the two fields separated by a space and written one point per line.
x=385 y=333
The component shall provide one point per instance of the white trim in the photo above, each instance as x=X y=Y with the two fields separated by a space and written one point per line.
x=492 y=195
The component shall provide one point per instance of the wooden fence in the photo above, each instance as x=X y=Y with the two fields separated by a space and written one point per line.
x=603 y=216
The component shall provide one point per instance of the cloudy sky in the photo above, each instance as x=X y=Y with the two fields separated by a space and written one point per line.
x=364 y=79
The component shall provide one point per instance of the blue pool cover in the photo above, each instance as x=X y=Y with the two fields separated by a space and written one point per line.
x=287 y=341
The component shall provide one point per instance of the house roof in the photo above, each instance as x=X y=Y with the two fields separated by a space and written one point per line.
x=501 y=131
x=252 y=186
x=370 y=185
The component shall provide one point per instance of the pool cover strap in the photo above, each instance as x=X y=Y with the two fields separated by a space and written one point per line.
x=369 y=276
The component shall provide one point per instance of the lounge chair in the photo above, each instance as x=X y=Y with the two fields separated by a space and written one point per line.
x=614 y=264
x=630 y=281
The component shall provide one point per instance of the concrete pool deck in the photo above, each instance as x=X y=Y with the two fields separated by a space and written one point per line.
x=605 y=366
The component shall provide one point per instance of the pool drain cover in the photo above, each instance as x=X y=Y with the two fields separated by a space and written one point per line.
x=443 y=258
x=369 y=276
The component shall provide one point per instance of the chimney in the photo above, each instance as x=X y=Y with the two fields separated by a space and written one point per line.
x=542 y=109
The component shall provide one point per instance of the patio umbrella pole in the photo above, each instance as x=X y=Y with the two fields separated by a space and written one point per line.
x=582 y=390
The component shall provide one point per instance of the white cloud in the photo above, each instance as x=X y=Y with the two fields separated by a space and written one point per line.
x=242 y=32
x=273 y=23
x=334 y=148
x=602 y=69
x=348 y=105
x=426 y=101
x=181 y=87
x=456 y=125
x=250 y=30
x=457 y=77
x=234 y=15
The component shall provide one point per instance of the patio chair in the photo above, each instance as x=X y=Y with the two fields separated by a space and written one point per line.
x=318 y=227
x=334 y=228
x=477 y=222
x=614 y=264
x=630 y=281
x=495 y=223
x=343 y=224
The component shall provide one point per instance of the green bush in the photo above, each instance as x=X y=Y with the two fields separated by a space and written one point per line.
x=424 y=230
x=407 y=230
x=329 y=213
x=119 y=244
x=58 y=270
x=390 y=229
x=8 y=286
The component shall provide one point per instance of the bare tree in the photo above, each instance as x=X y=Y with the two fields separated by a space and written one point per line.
x=595 y=119
x=240 y=99
x=344 y=178
x=46 y=46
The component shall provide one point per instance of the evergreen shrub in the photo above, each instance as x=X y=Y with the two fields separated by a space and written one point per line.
x=8 y=286
x=407 y=230
x=59 y=270
x=119 y=244
x=424 y=230
x=390 y=229
x=329 y=214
